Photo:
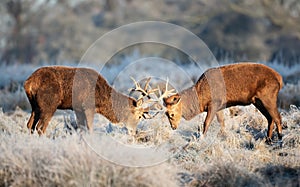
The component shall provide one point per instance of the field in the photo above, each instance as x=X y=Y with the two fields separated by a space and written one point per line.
x=239 y=157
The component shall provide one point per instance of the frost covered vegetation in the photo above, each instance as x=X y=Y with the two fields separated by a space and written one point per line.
x=239 y=157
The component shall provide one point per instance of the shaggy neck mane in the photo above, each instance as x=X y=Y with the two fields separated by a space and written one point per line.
x=190 y=103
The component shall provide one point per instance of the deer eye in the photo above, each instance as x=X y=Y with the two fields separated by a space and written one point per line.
x=170 y=115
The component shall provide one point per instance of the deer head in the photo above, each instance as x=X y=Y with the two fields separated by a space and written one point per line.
x=169 y=103
x=173 y=109
x=137 y=113
x=139 y=107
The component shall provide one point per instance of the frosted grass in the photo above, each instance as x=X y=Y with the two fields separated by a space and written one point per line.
x=240 y=157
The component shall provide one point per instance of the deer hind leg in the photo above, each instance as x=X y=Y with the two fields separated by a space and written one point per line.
x=33 y=120
x=47 y=104
x=44 y=121
x=35 y=115
x=270 y=104
x=268 y=108
x=259 y=105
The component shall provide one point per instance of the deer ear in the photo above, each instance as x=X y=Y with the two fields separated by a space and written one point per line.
x=176 y=98
x=137 y=103
x=172 y=100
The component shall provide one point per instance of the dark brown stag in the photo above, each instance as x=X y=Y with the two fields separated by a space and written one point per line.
x=82 y=90
x=226 y=86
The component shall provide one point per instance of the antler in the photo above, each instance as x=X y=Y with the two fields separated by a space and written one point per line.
x=166 y=93
x=144 y=91
x=155 y=103
x=158 y=105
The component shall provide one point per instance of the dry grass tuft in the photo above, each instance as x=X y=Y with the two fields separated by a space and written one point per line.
x=40 y=161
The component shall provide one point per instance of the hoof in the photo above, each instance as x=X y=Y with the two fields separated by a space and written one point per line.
x=222 y=134
x=278 y=145
x=281 y=144
x=284 y=126
x=197 y=135
x=268 y=141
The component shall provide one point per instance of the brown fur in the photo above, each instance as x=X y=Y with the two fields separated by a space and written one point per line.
x=82 y=90
x=226 y=86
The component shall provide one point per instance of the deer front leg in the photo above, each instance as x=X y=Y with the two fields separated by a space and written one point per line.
x=81 y=119
x=89 y=113
x=220 y=118
x=211 y=112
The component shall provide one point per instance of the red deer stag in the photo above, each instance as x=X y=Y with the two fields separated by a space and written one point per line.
x=226 y=86
x=82 y=90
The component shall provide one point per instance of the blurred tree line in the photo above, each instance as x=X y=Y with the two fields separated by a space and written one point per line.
x=48 y=31
x=52 y=31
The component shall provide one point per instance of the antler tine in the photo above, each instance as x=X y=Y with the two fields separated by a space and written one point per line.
x=138 y=88
x=153 y=109
x=145 y=91
x=152 y=91
x=147 y=83
x=166 y=92
x=158 y=107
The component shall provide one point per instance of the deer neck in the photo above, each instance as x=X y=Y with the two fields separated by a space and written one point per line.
x=110 y=103
x=121 y=105
x=190 y=103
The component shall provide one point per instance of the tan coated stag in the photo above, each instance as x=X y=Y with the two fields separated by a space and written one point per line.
x=226 y=86
x=82 y=90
